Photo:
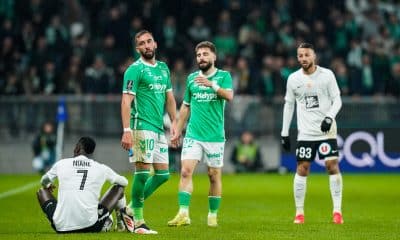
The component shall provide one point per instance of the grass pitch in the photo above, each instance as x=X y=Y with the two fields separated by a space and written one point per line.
x=254 y=206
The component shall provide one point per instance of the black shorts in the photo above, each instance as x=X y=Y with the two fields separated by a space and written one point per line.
x=49 y=207
x=307 y=150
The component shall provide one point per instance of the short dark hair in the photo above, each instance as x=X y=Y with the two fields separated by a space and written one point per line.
x=306 y=45
x=87 y=144
x=142 y=32
x=206 y=44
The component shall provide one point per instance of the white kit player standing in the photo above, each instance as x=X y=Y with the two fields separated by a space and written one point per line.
x=315 y=92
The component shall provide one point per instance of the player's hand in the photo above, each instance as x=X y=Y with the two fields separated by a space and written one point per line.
x=126 y=140
x=326 y=124
x=176 y=139
x=51 y=188
x=173 y=133
x=202 y=81
x=285 y=141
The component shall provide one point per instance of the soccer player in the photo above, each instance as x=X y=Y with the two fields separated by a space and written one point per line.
x=316 y=93
x=206 y=92
x=80 y=179
x=146 y=92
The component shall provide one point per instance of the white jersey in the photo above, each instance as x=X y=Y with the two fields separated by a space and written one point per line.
x=80 y=180
x=317 y=96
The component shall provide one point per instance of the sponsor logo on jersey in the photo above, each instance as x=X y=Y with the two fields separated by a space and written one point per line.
x=203 y=97
x=157 y=87
x=312 y=101
x=324 y=148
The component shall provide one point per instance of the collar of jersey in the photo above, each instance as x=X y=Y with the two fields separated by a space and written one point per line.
x=148 y=64
x=209 y=75
x=82 y=156
x=314 y=73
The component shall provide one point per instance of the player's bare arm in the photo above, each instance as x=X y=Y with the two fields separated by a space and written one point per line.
x=171 y=109
x=223 y=93
x=126 y=140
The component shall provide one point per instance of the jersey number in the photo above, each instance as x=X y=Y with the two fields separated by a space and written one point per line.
x=83 y=178
x=304 y=152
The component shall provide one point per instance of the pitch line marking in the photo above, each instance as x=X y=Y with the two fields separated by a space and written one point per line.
x=18 y=190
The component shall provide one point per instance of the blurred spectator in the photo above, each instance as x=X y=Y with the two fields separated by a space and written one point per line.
x=178 y=79
x=246 y=156
x=98 y=77
x=198 y=31
x=49 y=78
x=44 y=148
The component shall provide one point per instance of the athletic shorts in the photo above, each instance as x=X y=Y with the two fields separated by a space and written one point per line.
x=212 y=153
x=149 y=147
x=49 y=207
x=326 y=149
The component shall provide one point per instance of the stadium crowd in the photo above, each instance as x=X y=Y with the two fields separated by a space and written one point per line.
x=83 y=47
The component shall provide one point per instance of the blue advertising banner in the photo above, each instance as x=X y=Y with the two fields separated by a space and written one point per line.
x=360 y=151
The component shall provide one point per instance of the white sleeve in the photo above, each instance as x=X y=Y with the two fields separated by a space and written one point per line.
x=49 y=176
x=288 y=109
x=114 y=178
x=334 y=94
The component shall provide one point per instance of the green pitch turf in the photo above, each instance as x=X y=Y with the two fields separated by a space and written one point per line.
x=254 y=206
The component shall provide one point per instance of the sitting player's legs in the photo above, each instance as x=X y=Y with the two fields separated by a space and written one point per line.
x=305 y=154
x=191 y=154
x=214 y=157
x=160 y=165
x=328 y=151
x=48 y=203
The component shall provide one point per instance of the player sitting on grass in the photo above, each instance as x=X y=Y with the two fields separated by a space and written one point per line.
x=80 y=180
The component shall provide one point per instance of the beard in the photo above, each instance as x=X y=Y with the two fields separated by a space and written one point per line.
x=148 y=55
x=307 y=67
x=204 y=67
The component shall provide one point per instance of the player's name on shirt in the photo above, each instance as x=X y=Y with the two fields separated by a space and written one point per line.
x=80 y=163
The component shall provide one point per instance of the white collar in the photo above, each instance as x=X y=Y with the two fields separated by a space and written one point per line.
x=148 y=64
x=209 y=75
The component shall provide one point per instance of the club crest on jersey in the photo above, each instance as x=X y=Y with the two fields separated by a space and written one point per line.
x=324 y=148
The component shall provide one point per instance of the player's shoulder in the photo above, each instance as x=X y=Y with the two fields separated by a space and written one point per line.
x=162 y=64
x=138 y=64
x=295 y=75
x=223 y=73
x=192 y=75
x=324 y=70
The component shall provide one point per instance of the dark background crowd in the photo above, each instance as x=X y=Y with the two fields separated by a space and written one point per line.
x=83 y=46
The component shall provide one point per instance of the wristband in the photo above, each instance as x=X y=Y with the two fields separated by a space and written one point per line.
x=215 y=86
x=127 y=130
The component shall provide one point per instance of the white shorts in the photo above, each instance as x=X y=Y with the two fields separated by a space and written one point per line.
x=149 y=147
x=211 y=153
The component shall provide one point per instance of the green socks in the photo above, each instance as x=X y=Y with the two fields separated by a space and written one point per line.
x=213 y=203
x=159 y=177
x=139 y=182
x=184 y=201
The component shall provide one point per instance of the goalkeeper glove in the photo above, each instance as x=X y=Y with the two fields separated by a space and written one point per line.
x=326 y=124
x=285 y=141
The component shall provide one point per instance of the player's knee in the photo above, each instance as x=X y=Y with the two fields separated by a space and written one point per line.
x=303 y=170
x=214 y=176
x=186 y=173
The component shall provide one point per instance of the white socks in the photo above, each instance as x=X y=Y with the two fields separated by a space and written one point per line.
x=184 y=210
x=336 y=187
x=299 y=189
